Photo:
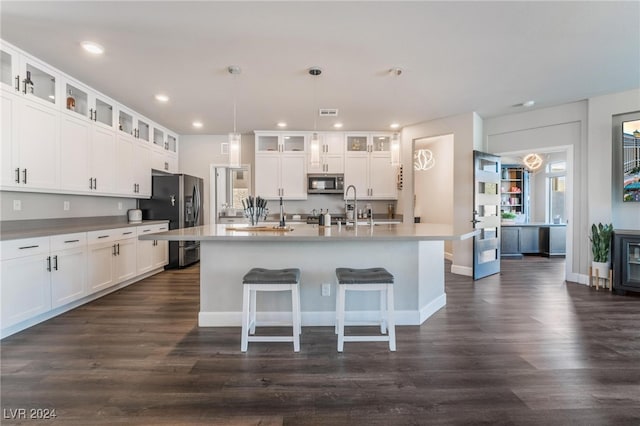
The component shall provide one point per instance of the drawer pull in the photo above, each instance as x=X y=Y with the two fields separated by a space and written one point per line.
x=146 y=230
x=127 y=233
x=27 y=247
x=102 y=236
x=71 y=241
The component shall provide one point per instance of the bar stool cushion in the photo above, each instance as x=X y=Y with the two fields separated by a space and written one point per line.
x=272 y=276
x=363 y=276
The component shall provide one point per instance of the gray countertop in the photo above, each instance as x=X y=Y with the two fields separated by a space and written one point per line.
x=16 y=229
x=304 y=232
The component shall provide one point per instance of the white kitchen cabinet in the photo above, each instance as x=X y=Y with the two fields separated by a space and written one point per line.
x=124 y=165
x=112 y=257
x=10 y=172
x=37 y=147
x=68 y=268
x=151 y=254
x=331 y=154
x=75 y=137
x=280 y=169
x=9 y=66
x=102 y=160
x=142 y=169
x=368 y=166
x=25 y=289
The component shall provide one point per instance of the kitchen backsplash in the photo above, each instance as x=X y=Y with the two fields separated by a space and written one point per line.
x=50 y=206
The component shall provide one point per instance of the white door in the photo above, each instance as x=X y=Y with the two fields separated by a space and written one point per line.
x=75 y=137
x=10 y=146
x=267 y=176
x=25 y=288
x=68 y=276
x=293 y=177
x=102 y=159
x=100 y=270
x=39 y=146
x=382 y=177
x=125 y=260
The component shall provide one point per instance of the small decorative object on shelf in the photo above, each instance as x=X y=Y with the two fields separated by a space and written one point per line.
x=600 y=245
x=255 y=209
x=71 y=101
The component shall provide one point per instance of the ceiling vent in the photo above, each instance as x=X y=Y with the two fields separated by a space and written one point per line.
x=328 y=112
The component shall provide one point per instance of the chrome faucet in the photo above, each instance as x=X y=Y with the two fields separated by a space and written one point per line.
x=355 y=204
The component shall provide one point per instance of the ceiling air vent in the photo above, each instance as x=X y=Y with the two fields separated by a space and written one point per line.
x=328 y=112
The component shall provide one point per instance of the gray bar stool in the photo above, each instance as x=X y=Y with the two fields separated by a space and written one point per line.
x=259 y=279
x=376 y=279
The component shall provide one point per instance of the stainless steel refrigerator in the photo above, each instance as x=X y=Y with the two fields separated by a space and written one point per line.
x=177 y=198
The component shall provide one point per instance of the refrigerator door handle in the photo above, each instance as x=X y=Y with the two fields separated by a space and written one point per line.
x=196 y=204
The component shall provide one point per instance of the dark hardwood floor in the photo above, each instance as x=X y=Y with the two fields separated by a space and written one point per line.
x=522 y=347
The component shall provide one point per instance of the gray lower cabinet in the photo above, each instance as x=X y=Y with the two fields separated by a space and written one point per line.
x=532 y=239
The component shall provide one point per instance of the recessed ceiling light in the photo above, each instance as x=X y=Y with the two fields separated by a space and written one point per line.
x=338 y=125
x=92 y=47
x=394 y=125
x=162 y=98
x=197 y=124
x=282 y=124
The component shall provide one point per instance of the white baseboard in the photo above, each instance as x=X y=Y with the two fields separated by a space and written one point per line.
x=433 y=307
x=578 y=278
x=320 y=318
x=462 y=270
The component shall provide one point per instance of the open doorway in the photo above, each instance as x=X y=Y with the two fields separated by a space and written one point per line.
x=548 y=199
x=433 y=182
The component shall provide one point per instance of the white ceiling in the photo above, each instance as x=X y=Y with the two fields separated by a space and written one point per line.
x=457 y=57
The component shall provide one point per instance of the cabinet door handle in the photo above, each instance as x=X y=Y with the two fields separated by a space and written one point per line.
x=114 y=250
x=49 y=263
x=118 y=249
x=102 y=236
x=90 y=113
x=71 y=241
x=55 y=262
x=127 y=233
x=17 y=83
x=17 y=175
x=146 y=230
x=90 y=183
x=166 y=165
x=24 y=176
x=28 y=247
x=95 y=183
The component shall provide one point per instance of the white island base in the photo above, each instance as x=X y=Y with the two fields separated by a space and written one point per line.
x=417 y=265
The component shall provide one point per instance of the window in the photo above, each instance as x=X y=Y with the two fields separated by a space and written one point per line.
x=556 y=183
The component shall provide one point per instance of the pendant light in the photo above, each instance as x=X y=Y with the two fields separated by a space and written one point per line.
x=395 y=150
x=234 y=138
x=315 y=140
x=395 y=139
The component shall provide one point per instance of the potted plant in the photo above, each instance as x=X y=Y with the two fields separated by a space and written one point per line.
x=600 y=244
x=508 y=217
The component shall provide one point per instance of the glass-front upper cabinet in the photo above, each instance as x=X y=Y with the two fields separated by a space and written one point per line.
x=172 y=143
x=280 y=142
x=125 y=121
x=158 y=137
x=380 y=143
x=357 y=143
x=267 y=143
x=103 y=110
x=9 y=63
x=39 y=81
x=293 y=143
x=143 y=131
x=76 y=99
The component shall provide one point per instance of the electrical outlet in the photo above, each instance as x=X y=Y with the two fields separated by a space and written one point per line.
x=119 y=205
x=17 y=205
x=326 y=289
x=66 y=205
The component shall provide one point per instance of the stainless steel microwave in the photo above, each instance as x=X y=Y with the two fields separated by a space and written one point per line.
x=325 y=184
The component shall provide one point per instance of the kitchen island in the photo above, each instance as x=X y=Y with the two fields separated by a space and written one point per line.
x=413 y=253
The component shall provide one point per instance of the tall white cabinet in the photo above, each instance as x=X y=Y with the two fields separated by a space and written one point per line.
x=280 y=166
x=368 y=166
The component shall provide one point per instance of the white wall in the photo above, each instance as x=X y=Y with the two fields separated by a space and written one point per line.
x=467 y=133
x=434 y=187
x=51 y=206
x=198 y=152
x=603 y=205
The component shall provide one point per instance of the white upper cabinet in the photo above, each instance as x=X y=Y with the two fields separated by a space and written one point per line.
x=280 y=168
x=368 y=166
x=59 y=135
x=331 y=154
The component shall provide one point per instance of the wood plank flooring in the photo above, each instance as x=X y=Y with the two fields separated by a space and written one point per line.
x=522 y=347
